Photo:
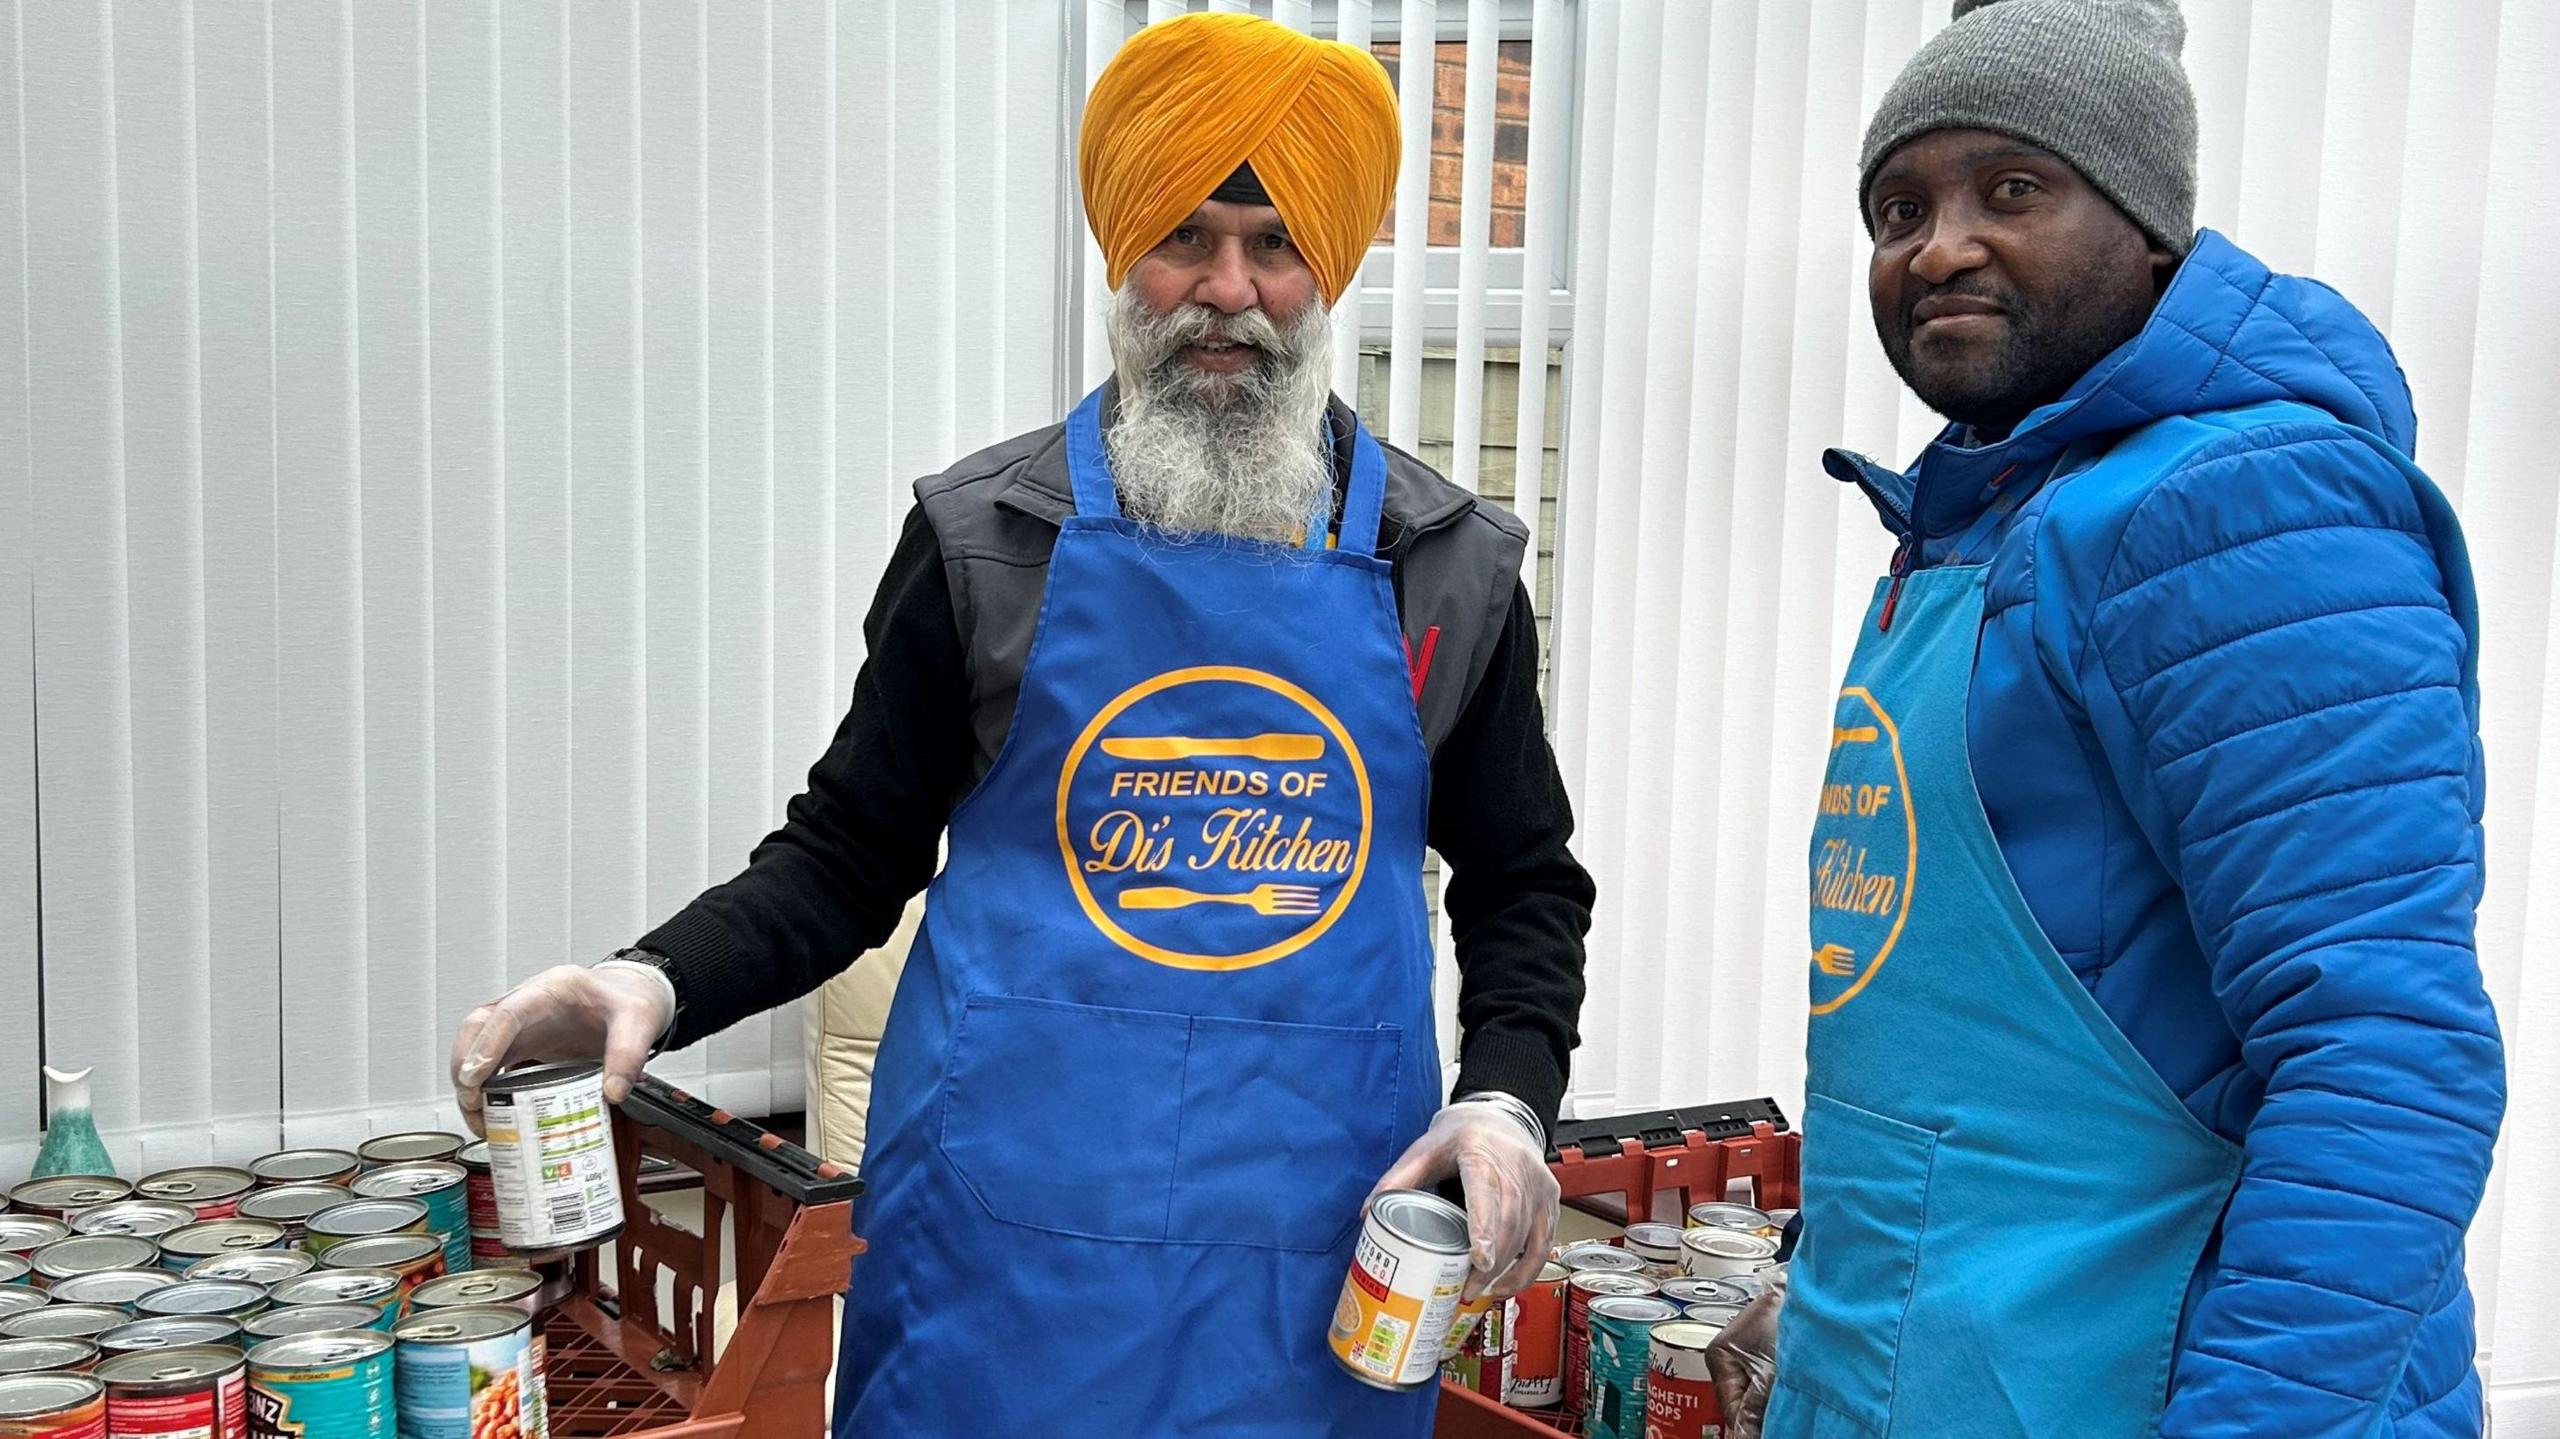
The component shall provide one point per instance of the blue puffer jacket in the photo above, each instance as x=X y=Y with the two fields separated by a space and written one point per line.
x=2239 y=780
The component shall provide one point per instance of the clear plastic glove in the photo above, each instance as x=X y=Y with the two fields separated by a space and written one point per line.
x=1743 y=1360
x=1511 y=1195
x=566 y=1012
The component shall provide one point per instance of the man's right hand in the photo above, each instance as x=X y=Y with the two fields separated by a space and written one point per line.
x=1744 y=1362
x=615 y=1014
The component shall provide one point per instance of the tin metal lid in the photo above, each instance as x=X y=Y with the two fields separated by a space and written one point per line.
x=466 y=1325
x=65 y=1192
x=147 y=1218
x=1600 y=1281
x=383 y=1251
x=1636 y=1308
x=1658 y=1236
x=34 y=1356
x=204 y=1296
x=258 y=1266
x=174 y=1367
x=223 y=1236
x=301 y=1166
x=22 y=1233
x=13 y=1266
x=111 y=1286
x=542 y=1076
x=196 y=1184
x=402 y=1148
x=1422 y=1219
x=175 y=1331
x=1725 y=1214
x=1553 y=1272
x=477 y=1286
x=329 y=1349
x=294 y=1203
x=311 y=1319
x=64 y=1321
x=336 y=1286
x=1602 y=1259
x=89 y=1253
x=405 y=1181
x=1730 y=1244
x=1718 y=1315
x=19 y=1298
x=362 y=1217
x=34 y=1396
x=1679 y=1334
x=474 y=1155
x=1704 y=1291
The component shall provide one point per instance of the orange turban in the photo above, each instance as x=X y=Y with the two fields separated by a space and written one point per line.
x=1188 y=100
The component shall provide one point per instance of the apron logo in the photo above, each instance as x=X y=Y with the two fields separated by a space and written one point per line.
x=1866 y=850
x=1214 y=818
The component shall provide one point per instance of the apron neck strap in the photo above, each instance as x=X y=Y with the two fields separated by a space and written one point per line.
x=1098 y=496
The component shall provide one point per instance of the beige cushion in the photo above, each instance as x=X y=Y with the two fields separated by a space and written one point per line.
x=842 y=1025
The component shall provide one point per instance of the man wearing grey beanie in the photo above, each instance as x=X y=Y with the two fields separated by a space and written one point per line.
x=2151 y=1082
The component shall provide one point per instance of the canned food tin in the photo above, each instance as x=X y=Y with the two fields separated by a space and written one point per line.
x=362 y=1219
x=337 y=1383
x=1714 y=1316
x=13 y=1268
x=1579 y=1292
x=52 y=1406
x=384 y=1150
x=290 y=1206
x=64 y=1195
x=1716 y=1253
x=416 y=1258
x=314 y=1319
x=480 y=1190
x=1725 y=1215
x=1687 y=1291
x=38 y=1356
x=488 y=1251
x=1621 y=1360
x=196 y=1393
x=514 y=1288
x=230 y=1298
x=1779 y=1219
x=120 y=1287
x=551 y=1157
x=24 y=1234
x=1536 y=1380
x=1604 y=1258
x=19 y=1298
x=1657 y=1245
x=177 y=1331
x=90 y=1253
x=258 y=1266
x=471 y=1373
x=65 y=1321
x=1680 y=1395
x=378 y=1289
x=1483 y=1362
x=304 y=1166
x=139 y=1218
x=197 y=1242
x=1401 y=1296
x=212 y=1191
x=441 y=1187
x=1752 y=1286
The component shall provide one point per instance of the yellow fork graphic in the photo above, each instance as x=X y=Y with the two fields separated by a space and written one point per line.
x=1263 y=899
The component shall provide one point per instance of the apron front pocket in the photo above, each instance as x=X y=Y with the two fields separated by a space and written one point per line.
x=1062 y=1117
x=1866 y=1190
x=1285 y=1127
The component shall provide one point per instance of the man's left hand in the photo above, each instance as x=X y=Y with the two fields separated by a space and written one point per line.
x=1511 y=1195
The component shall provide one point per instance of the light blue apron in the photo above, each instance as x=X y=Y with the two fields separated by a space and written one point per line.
x=2003 y=1203
x=1169 y=1016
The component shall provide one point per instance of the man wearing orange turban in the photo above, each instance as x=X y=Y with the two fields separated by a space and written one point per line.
x=1187 y=683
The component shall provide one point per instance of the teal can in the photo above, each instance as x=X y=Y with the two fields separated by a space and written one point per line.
x=439 y=1185
x=1621 y=1363
x=338 y=1383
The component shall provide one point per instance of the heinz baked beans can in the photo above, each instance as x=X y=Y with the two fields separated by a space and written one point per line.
x=65 y=1321
x=1401 y=1297
x=1711 y=1253
x=514 y=1288
x=551 y=1157
x=438 y=1185
x=289 y=1207
x=235 y=1299
x=1579 y=1293
x=52 y=1406
x=89 y=1254
x=312 y=1319
x=1680 y=1395
x=150 y=1219
x=471 y=1373
x=43 y=1356
x=212 y=1191
x=199 y=1393
x=1621 y=1360
x=186 y=1248
x=337 y=1383
x=1537 y=1343
x=120 y=1287
x=19 y=1298
x=304 y=1166
x=383 y=1151
x=64 y=1195
x=258 y=1266
x=179 y=1331
x=377 y=1289
x=24 y=1234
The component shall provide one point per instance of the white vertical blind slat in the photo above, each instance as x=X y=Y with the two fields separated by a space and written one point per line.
x=20 y=1043
x=867 y=212
x=1417 y=81
x=1475 y=238
x=1549 y=152
x=1106 y=27
x=1352 y=26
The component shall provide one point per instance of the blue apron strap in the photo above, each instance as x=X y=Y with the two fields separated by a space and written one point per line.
x=1089 y=464
x=1367 y=495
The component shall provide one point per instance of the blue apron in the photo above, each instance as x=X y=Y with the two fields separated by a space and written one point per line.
x=1169 y=1016
x=2004 y=1205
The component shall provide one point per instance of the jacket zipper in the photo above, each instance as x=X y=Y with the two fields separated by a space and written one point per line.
x=1903 y=554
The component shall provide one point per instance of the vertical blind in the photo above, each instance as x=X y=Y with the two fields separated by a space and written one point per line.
x=1714 y=577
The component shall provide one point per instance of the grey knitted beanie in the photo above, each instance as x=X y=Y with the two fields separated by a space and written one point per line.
x=2097 y=82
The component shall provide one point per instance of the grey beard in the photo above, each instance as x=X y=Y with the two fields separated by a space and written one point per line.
x=1240 y=455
